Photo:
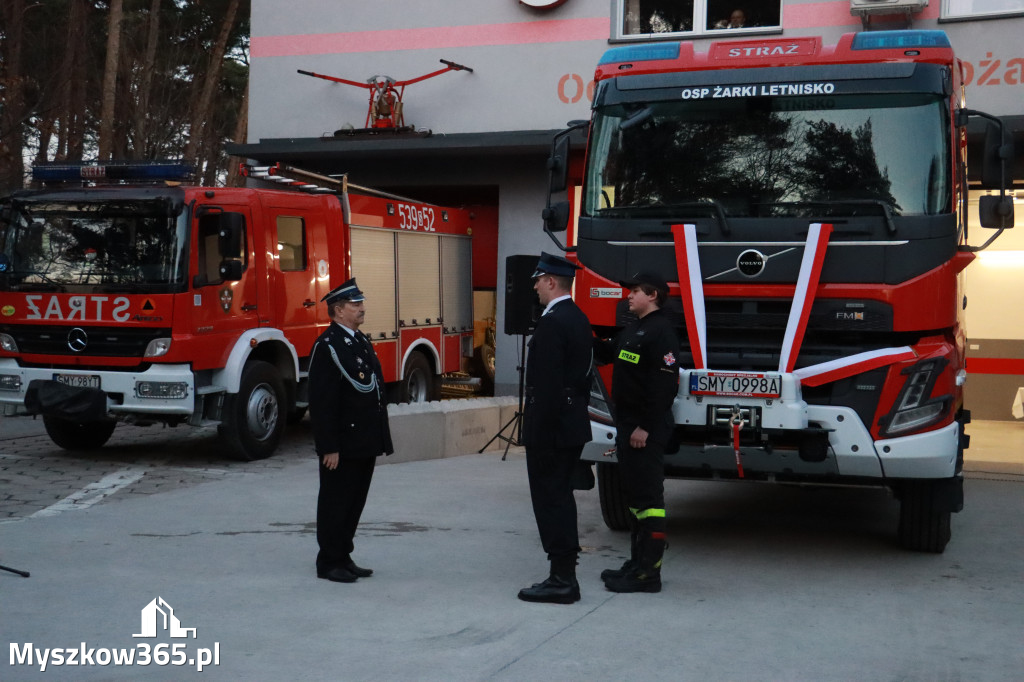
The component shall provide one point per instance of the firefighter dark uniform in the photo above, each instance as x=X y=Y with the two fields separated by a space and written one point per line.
x=348 y=410
x=645 y=380
x=555 y=428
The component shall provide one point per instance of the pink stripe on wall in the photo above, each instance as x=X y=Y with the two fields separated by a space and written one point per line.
x=837 y=13
x=520 y=33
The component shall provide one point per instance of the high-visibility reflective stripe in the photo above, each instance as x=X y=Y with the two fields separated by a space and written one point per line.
x=649 y=514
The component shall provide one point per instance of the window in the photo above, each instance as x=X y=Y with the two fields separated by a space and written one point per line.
x=975 y=9
x=211 y=247
x=664 y=18
x=291 y=243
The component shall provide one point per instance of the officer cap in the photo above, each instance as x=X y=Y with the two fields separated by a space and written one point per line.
x=346 y=292
x=648 y=279
x=554 y=265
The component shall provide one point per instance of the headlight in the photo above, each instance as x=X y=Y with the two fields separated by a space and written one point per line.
x=8 y=344
x=914 y=408
x=161 y=389
x=157 y=347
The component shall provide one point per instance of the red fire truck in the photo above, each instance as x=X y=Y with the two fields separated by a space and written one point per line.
x=169 y=303
x=808 y=205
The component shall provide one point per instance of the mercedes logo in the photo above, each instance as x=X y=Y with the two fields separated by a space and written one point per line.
x=77 y=339
x=750 y=263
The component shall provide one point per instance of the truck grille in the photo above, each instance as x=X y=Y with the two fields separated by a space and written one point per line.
x=121 y=342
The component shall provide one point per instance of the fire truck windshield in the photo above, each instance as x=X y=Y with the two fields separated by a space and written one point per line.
x=88 y=246
x=771 y=156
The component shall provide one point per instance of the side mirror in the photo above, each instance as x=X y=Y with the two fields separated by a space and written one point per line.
x=558 y=164
x=997 y=157
x=231 y=235
x=995 y=211
x=231 y=270
x=556 y=217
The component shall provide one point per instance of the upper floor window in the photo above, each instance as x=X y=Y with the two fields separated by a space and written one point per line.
x=976 y=9
x=665 y=18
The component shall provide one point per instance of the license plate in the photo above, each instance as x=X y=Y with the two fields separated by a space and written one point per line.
x=78 y=380
x=738 y=384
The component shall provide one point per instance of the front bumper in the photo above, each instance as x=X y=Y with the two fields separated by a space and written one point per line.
x=121 y=388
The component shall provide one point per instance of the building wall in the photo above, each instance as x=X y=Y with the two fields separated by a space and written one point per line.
x=531 y=71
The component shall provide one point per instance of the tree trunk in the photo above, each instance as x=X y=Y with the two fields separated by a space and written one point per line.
x=211 y=79
x=241 y=133
x=12 y=106
x=141 y=117
x=110 y=79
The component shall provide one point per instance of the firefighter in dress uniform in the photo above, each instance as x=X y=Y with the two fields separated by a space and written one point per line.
x=645 y=380
x=348 y=410
x=556 y=424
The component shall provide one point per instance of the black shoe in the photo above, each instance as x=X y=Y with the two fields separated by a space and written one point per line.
x=554 y=590
x=358 y=571
x=337 y=575
x=637 y=580
x=609 y=573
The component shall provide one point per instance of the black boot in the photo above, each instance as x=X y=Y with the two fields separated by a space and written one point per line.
x=645 y=576
x=631 y=562
x=559 y=588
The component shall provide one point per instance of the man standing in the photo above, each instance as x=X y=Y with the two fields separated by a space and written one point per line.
x=556 y=425
x=350 y=429
x=645 y=380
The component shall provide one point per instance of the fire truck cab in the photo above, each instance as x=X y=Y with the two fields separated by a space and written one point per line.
x=807 y=203
x=176 y=304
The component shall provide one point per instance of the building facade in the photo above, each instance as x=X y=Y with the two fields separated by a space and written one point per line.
x=481 y=136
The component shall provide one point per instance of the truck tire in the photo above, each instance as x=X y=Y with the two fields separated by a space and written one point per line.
x=924 y=527
x=419 y=384
x=72 y=435
x=613 y=498
x=253 y=419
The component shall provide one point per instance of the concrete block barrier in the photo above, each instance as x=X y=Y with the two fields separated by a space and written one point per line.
x=447 y=428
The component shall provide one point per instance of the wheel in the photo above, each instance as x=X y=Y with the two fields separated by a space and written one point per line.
x=419 y=383
x=252 y=419
x=483 y=356
x=924 y=516
x=613 y=498
x=72 y=435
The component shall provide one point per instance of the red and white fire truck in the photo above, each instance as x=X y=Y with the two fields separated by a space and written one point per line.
x=808 y=205
x=170 y=303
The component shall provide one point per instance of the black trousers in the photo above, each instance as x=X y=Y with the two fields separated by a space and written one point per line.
x=554 y=505
x=642 y=471
x=338 y=508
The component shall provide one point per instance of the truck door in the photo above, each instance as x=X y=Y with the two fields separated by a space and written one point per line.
x=294 y=280
x=221 y=309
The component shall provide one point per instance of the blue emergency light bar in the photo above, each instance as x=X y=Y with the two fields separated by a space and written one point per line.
x=640 y=53
x=899 y=40
x=141 y=171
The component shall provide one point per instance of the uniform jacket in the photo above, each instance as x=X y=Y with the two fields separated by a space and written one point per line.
x=558 y=379
x=347 y=403
x=645 y=376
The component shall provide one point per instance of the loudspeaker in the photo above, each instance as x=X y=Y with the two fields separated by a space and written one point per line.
x=522 y=307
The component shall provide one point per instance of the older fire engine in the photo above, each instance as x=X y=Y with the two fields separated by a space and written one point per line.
x=180 y=304
x=808 y=205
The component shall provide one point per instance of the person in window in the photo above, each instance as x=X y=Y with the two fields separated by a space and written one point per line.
x=738 y=19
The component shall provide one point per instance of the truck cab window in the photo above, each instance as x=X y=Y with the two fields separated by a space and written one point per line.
x=291 y=243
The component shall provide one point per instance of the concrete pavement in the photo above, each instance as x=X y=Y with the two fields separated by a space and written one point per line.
x=761 y=583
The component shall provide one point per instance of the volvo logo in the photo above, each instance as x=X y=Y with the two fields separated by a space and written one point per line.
x=750 y=263
x=77 y=339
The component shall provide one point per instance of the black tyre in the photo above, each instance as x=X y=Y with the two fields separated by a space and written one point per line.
x=613 y=497
x=72 y=435
x=483 y=358
x=924 y=516
x=253 y=419
x=419 y=384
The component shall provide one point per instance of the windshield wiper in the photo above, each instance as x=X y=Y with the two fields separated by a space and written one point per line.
x=886 y=209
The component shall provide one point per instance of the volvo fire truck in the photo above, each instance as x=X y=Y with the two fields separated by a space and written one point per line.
x=807 y=203
x=122 y=300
